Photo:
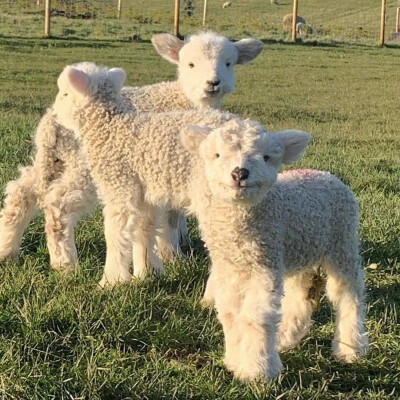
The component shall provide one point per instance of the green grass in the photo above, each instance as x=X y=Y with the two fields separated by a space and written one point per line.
x=62 y=338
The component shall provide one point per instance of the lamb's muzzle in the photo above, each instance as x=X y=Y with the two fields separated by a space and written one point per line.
x=240 y=174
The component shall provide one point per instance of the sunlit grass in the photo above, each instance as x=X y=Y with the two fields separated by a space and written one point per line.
x=63 y=338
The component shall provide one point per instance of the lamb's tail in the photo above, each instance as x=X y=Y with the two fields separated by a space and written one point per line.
x=20 y=206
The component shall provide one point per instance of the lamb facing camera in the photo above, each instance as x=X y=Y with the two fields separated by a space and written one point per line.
x=261 y=228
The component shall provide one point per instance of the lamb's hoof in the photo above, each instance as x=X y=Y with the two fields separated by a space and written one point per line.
x=7 y=254
x=286 y=342
x=291 y=331
x=166 y=253
x=253 y=371
x=11 y=257
x=142 y=273
x=65 y=269
x=348 y=358
x=155 y=266
x=348 y=354
x=157 y=270
x=231 y=365
x=108 y=282
x=103 y=282
x=270 y=373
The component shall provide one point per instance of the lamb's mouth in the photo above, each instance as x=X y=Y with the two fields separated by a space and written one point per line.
x=212 y=92
x=241 y=187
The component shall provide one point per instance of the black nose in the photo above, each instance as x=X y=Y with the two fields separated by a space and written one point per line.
x=214 y=83
x=240 y=174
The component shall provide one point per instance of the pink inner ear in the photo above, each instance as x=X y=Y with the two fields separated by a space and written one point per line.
x=174 y=54
x=79 y=81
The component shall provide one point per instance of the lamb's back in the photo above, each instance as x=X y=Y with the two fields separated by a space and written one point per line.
x=156 y=153
x=305 y=215
x=159 y=97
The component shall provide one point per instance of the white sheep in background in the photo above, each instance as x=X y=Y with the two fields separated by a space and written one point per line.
x=257 y=227
x=59 y=181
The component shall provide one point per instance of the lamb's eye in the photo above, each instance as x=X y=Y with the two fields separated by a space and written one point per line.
x=216 y=155
x=228 y=64
x=65 y=94
x=191 y=65
x=266 y=158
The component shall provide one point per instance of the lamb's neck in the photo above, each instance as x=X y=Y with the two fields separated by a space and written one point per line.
x=216 y=216
x=226 y=230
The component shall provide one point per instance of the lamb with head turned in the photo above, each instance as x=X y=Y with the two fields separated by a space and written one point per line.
x=59 y=182
x=259 y=227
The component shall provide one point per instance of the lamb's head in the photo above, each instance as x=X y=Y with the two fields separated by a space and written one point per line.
x=82 y=83
x=206 y=63
x=241 y=158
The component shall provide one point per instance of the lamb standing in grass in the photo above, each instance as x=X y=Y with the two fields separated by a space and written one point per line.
x=59 y=181
x=258 y=228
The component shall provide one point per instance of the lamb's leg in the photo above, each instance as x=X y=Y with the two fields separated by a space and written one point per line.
x=119 y=223
x=168 y=242
x=345 y=289
x=209 y=293
x=297 y=306
x=20 y=206
x=145 y=258
x=248 y=308
x=66 y=202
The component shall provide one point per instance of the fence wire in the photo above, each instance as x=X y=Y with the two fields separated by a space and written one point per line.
x=339 y=20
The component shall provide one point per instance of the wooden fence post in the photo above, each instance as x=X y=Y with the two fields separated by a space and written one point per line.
x=47 y=11
x=176 y=19
x=205 y=12
x=397 y=19
x=119 y=8
x=294 y=22
x=383 y=15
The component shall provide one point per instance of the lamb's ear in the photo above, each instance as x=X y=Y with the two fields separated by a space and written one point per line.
x=294 y=144
x=77 y=80
x=168 y=46
x=248 y=49
x=193 y=135
x=117 y=77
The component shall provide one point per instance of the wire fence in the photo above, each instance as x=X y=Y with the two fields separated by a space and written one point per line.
x=339 y=20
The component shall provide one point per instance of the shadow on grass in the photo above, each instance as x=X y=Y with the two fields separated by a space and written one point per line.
x=326 y=43
x=386 y=254
x=359 y=376
x=76 y=41
x=337 y=378
x=57 y=41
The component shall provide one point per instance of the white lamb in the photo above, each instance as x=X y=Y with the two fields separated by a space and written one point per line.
x=257 y=228
x=59 y=181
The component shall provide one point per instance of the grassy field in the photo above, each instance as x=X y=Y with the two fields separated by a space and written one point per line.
x=63 y=338
x=356 y=21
